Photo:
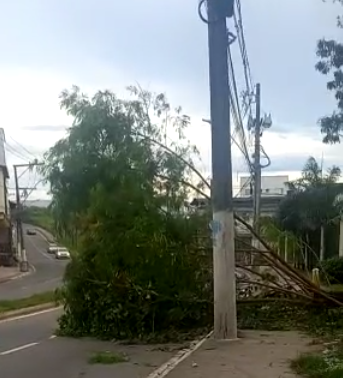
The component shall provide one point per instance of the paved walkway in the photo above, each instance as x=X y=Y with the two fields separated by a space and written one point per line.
x=7 y=274
x=256 y=355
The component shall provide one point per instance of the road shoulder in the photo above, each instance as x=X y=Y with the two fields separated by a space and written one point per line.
x=9 y=274
x=255 y=355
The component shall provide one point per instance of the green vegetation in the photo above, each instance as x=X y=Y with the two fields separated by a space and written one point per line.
x=311 y=212
x=331 y=62
x=143 y=268
x=107 y=358
x=333 y=270
x=34 y=300
x=321 y=322
x=40 y=217
x=328 y=364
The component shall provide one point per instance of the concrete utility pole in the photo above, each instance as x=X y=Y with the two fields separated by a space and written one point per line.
x=225 y=317
x=257 y=162
x=21 y=251
x=23 y=263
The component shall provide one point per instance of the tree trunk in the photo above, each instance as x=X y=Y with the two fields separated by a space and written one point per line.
x=306 y=250
x=286 y=248
x=340 y=251
x=322 y=243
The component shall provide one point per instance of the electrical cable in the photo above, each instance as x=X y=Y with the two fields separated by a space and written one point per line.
x=248 y=95
x=238 y=20
x=24 y=148
x=235 y=110
x=15 y=153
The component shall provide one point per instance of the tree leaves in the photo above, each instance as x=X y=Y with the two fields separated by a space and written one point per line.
x=119 y=182
x=311 y=201
x=330 y=53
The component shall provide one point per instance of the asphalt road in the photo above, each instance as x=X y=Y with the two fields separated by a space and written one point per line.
x=28 y=348
x=47 y=275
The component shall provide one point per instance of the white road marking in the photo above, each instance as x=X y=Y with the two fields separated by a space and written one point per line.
x=18 y=349
x=22 y=317
x=52 y=337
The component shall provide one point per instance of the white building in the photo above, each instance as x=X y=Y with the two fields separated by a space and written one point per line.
x=270 y=186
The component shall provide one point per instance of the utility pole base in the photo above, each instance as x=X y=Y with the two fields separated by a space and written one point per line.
x=24 y=266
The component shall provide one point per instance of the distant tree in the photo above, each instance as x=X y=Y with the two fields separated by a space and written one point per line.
x=311 y=205
x=330 y=53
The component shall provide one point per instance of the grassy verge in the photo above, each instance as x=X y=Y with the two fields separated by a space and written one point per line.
x=328 y=364
x=34 y=300
x=107 y=358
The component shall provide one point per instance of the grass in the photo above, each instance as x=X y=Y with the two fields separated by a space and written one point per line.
x=335 y=288
x=328 y=364
x=34 y=300
x=107 y=358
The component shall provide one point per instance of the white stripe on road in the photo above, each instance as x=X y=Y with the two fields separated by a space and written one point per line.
x=21 y=317
x=18 y=349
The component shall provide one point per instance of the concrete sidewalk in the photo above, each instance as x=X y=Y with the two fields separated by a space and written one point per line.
x=7 y=274
x=255 y=355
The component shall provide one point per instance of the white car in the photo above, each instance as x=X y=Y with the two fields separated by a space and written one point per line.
x=62 y=253
x=52 y=248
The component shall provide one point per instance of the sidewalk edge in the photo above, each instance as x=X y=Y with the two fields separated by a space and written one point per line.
x=28 y=310
x=19 y=275
x=170 y=365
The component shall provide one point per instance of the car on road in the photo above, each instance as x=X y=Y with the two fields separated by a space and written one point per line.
x=31 y=231
x=62 y=253
x=52 y=248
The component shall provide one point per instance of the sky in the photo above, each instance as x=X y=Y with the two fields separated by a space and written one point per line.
x=47 y=46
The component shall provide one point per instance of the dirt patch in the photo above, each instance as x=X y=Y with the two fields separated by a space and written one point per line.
x=255 y=355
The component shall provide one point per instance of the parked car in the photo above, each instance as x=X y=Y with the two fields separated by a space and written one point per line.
x=62 y=253
x=30 y=231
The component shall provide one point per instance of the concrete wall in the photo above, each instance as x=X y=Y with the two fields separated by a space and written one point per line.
x=3 y=194
x=271 y=185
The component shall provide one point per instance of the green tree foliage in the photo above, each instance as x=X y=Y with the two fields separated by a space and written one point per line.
x=38 y=216
x=330 y=53
x=333 y=270
x=311 y=202
x=119 y=188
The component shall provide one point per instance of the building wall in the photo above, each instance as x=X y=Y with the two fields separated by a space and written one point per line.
x=270 y=185
x=3 y=194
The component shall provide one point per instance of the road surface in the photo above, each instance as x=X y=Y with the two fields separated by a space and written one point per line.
x=48 y=271
x=28 y=348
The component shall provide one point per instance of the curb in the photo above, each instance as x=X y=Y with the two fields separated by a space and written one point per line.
x=19 y=275
x=44 y=236
x=32 y=270
x=28 y=310
x=167 y=367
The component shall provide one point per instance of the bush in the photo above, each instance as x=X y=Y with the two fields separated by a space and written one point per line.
x=138 y=274
x=333 y=270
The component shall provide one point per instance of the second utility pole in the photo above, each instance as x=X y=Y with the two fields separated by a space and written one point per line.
x=257 y=162
x=225 y=317
x=21 y=252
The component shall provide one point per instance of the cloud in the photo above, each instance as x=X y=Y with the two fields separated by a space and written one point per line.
x=46 y=128
x=48 y=46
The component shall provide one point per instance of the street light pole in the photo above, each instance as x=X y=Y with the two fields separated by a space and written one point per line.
x=225 y=317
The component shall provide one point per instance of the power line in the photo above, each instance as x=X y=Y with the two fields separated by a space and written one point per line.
x=238 y=20
x=23 y=148
x=15 y=152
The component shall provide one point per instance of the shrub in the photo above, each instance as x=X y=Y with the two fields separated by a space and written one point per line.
x=333 y=269
x=137 y=276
